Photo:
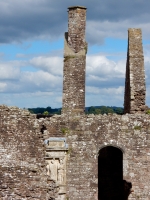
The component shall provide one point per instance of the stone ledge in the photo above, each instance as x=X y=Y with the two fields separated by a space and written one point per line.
x=74 y=7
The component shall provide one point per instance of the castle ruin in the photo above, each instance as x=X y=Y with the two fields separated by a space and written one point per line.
x=75 y=156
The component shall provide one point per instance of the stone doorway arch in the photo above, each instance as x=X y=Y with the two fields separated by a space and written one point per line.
x=110 y=173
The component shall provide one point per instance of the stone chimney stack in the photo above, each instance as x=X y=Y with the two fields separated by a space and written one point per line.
x=134 y=100
x=74 y=62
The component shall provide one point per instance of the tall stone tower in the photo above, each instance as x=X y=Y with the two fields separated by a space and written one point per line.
x=134 y=100
x=74 y=62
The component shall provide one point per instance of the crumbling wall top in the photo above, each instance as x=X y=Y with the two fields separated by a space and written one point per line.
x=135 y=89
x=75 y=7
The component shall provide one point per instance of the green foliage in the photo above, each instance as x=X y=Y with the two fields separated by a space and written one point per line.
x=69 y=151
x=91 y=110
x=86 y=48
x=65 y=130
x=45 y=113
x=58 y=112
x=118 y=110
x=137 y=128
x=96 y=110
x=68 y=57
x=43 y=110
x=104 y=110
x=148 y=112
x=31 y=111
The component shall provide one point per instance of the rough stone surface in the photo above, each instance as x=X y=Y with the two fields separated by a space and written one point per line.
x=74 y=62
x=56 y=158
x=22 y=165
x=76 y=28
x=135 y=74
x=23 y=153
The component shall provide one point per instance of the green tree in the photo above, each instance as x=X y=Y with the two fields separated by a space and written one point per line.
x=97 y=111
x=91 y=110
x=45 y=113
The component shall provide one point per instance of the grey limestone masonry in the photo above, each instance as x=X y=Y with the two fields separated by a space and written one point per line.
x=135 y=74
x=74 y=62
x=74 y=156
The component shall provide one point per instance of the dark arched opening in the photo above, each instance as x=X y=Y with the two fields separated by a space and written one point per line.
x=110 y=174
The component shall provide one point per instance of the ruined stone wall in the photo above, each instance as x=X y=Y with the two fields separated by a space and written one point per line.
x=22 y=166
x=86 y=135
x=24 y=156
x=56 y=158
x=74 y=62
x=134 y=100
x=76 y=28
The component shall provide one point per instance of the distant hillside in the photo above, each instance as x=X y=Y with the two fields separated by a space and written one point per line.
x=88 y=110
x=103 y=110
x=47 y=110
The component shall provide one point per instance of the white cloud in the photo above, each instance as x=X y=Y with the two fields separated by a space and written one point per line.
x=107 y=91
x=10 y=70
x=31 y=100
x=14 y=80
x=102 y=67
x=47 y=19
x=52 y=65
x=103 y=73
x=97 y=31
x=41 y=80
x=104 y=81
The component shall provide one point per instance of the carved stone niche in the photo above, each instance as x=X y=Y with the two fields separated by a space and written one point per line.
x=56 y=157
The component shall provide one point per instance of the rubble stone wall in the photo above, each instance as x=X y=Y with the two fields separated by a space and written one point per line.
x=135 y=74
x=56 y=158
x=86 y=135
x=22 y=165
x=22 y=151
x=74 y=62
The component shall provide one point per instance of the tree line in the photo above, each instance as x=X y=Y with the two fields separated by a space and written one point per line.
x=104 y=110
x=88 y=110
x=45 y=111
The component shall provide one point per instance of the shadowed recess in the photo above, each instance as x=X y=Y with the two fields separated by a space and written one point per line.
x=110 y=174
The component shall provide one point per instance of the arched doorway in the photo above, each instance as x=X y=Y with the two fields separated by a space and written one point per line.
x=110 y=173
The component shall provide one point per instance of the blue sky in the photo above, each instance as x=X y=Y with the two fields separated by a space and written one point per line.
x=31 y=50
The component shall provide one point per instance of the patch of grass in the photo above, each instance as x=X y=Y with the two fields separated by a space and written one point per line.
x=68 y=57
x=86 y=49
x=65 y=130
x=148 y=112
x=69 y=150
x=137 y=128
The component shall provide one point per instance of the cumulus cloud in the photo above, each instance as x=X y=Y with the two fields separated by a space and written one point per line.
x=104 y=81
x=10 y=70
x=47 y=19
x=97 y=31
x=100 y=65
x=105 y=96
x=31 y=100
x=40 y=80
x=107 y=91
x=50 y=64
x=26 y=88
x=104 y=73
x=47 y=80
x=47 y=75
